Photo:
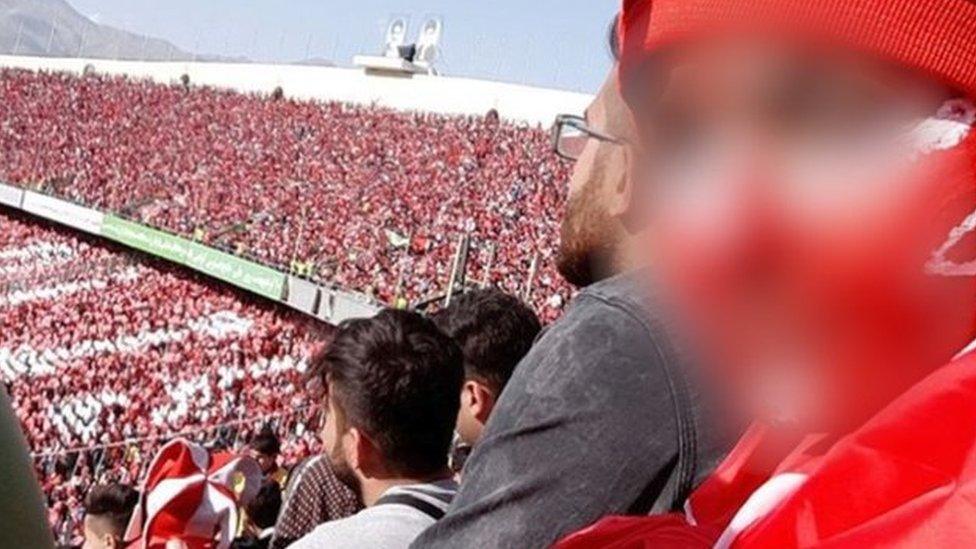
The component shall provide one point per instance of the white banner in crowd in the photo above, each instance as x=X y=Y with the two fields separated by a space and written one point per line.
x=66 y=213
x=11 y=196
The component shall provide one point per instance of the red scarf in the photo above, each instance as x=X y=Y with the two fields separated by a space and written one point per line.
x=907 y=478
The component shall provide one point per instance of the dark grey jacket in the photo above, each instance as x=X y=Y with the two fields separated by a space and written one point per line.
x=599 y=418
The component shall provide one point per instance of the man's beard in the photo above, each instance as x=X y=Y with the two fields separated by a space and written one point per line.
x=586 y=239
x=342 y=470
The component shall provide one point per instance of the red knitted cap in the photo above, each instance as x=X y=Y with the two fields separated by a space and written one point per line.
x=934 y=36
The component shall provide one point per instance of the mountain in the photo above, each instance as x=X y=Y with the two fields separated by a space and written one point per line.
x=53 y=27
x=316 y=61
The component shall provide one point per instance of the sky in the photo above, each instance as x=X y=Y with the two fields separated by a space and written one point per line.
x=551 y=43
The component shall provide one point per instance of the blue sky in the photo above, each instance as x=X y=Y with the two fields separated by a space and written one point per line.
x=552 y=43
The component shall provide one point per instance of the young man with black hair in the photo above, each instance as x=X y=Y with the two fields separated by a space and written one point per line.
x=495 y=331
x=391 y=386
x=265 y=449
x=107 y=511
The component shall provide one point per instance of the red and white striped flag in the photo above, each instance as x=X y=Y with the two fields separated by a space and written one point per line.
x=192 y=498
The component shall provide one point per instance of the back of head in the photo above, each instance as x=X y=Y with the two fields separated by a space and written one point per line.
x=266 y=442
x=396 y=377
x=494 y=330
x=263 y=509
x=111 y=506
x=264 y=447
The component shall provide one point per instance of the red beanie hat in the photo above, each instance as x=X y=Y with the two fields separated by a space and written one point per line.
x=937 y=37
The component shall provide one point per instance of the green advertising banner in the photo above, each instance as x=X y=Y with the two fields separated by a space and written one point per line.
x=229 y=268
x=148 y=240
x=239 y=272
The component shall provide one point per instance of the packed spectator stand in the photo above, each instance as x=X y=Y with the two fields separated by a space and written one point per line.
x=808 y=380
x=359 y=197
x=106 y=355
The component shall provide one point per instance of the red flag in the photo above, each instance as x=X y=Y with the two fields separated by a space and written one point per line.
x=907 y=478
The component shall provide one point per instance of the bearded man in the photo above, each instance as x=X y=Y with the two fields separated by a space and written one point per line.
x=602 y=415
x=813 y=167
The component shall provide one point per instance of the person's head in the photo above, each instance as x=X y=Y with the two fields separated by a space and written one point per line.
x=494 y=330
x=799 y=194
x=262 y=511
x=265 y=448
x=391 y=390
x=108 y=508
x=594 y=226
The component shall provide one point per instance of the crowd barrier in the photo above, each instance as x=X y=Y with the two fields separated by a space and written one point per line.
x=328 y=304
x=192 y=434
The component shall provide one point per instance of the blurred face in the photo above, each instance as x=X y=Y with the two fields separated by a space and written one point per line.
x=589 y=234
x=792 y=217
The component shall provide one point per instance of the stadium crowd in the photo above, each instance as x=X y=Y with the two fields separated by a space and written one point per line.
x=772 y=345
x=103 y=351
x=363 y=198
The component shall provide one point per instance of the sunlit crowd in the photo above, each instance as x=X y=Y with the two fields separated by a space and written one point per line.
x=358 y=197
x=756 y=328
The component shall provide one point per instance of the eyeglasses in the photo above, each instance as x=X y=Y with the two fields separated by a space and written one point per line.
x=571 y=133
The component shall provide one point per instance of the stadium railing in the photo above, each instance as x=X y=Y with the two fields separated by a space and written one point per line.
x=325 y=303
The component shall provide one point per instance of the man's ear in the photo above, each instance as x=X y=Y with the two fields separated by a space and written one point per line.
x=482 y=399
x=631 y=193
x=468 y=396
x=361 y=453
x=620 y=194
